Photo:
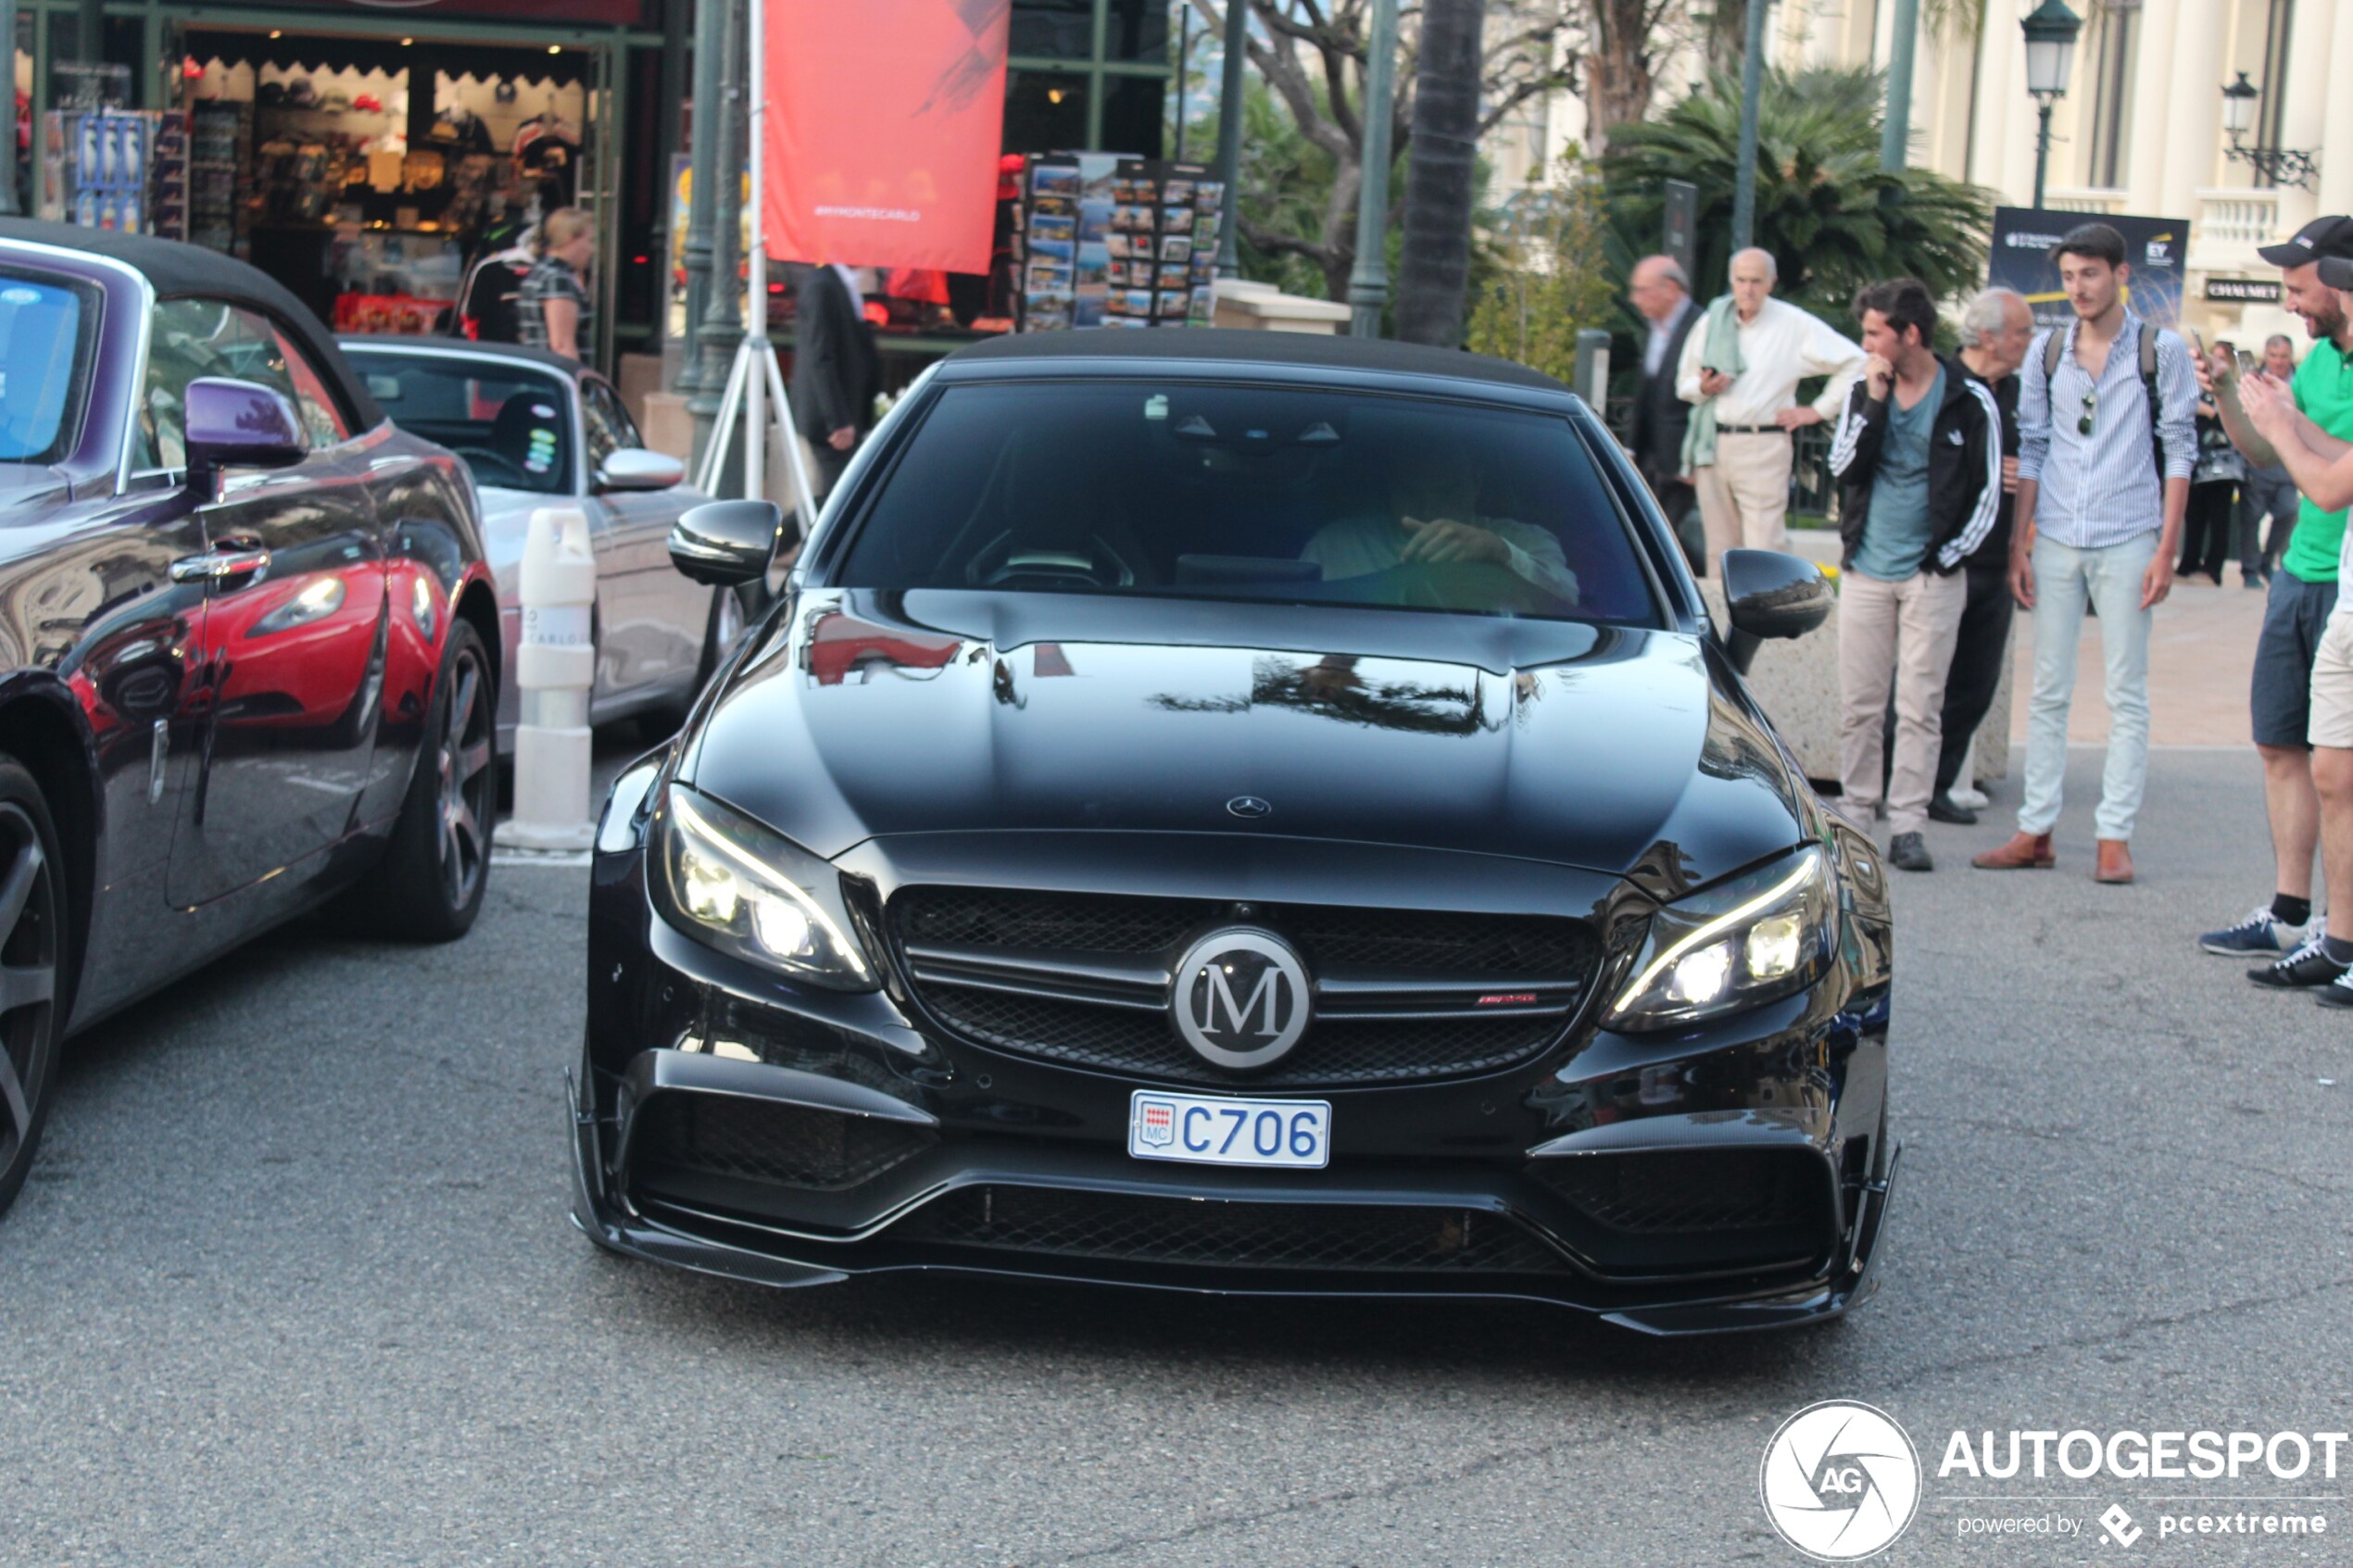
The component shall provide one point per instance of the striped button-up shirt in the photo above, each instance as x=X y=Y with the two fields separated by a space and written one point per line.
x=2102 y=489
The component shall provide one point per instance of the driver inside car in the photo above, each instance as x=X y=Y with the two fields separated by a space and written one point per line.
x=1433 y=520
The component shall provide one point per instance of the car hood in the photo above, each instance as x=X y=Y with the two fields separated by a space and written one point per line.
x=862 y=714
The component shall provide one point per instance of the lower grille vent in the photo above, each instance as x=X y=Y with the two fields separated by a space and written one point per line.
x=1135 y=1228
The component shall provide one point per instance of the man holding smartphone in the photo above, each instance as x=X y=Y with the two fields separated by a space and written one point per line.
x=2302 y=598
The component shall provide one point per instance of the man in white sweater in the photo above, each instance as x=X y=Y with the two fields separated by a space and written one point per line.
x=1741 y=368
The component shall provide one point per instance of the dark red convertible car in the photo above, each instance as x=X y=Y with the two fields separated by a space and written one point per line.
x=248 y=646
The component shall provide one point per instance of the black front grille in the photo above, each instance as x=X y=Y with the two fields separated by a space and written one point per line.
x=1388 y=1239
x=1097 y=925
x=759 y=1140
x=1024 y=1014
x=1683 y=1192
x=1127 y=1040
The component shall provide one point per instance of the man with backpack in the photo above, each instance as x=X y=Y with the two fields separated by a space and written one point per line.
x=1918 y=460
x=2108 y=435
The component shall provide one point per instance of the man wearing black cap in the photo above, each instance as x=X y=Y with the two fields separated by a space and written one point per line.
x=2302 y=597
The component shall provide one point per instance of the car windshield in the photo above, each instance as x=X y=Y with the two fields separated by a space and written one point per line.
x=1241 y=492
x=505 y=420
x=45 y=329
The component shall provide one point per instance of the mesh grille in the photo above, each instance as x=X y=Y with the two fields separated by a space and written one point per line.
x=1679 y=1193
x=1263 y=1236
x=1411 y=939
x=1123 y=1040
x=1079 y=921
x=789 y=1144
x=1356 y=1051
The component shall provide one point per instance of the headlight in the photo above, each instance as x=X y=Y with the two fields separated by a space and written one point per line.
x=1739 y=943
x=732 y=885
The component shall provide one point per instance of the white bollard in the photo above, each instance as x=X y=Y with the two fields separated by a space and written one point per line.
x=554 y=669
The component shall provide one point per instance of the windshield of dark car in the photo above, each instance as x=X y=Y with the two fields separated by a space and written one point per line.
x=1250 y=492
x=505 y=420
x=46 y=332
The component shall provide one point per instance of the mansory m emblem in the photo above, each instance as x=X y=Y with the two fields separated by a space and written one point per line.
x=1240 y=999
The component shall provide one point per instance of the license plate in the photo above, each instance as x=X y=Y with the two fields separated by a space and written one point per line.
x=1219 y=1130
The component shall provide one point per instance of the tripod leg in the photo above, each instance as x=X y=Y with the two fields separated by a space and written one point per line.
x=805 y=499
x=722 y=429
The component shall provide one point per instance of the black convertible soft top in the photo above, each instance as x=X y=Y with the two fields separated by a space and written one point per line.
x=1234 y=347
x=178 y=269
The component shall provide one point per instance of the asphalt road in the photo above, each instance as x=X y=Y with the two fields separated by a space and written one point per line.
x=294 y=1284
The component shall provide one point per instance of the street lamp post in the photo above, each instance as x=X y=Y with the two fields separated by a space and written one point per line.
x=2050 y=30
x=1368 y=281
x=1229 y=138
x=2272 y=166
x=722 y=327
x=1752 y=94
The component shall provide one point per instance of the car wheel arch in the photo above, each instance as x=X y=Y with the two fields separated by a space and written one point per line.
x=478 y=603
x=41 y=728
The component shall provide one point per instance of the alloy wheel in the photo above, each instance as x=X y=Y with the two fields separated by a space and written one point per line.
x=466 y=778
x=28 y=977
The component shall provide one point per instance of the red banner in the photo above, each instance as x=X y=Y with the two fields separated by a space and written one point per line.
x=883 y=124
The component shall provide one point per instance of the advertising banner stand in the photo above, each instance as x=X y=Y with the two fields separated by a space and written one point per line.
x=2021 y=259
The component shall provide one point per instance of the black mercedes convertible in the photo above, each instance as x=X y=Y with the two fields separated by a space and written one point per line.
x=1248 y=813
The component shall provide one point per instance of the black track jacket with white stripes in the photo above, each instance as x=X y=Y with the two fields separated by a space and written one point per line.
x=1964 y=467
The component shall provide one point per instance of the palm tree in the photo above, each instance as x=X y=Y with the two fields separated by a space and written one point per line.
x=1442 y=174
x=1833 y=219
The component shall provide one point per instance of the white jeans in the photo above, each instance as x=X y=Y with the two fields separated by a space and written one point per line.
x=2066 y=579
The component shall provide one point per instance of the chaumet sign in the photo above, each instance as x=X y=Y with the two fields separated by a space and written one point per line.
x=2242 y=291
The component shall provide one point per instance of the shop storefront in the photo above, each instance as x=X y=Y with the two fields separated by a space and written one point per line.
x=362 y=154
x=366 y=152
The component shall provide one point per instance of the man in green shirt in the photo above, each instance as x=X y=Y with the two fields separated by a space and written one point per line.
x=2302 y=595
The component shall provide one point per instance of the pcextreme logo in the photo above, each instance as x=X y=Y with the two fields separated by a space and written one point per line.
x=1840 y=1480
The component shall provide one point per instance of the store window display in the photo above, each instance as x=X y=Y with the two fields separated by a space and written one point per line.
x=366 y=179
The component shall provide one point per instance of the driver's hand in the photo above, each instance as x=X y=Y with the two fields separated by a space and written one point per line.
x=1440 y=540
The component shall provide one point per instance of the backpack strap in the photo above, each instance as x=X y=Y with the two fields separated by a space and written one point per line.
x=2053 y=345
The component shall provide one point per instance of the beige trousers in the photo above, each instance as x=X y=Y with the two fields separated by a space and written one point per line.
x=1903 y=632
x=1743 y=494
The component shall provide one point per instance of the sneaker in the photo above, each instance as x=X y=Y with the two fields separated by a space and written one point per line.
x=2254 y=581
x=2260 y=934
x=1907 y=852
x=2309 y=965
x=2337 y=993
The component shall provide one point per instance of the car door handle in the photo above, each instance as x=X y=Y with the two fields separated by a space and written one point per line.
x=214 y=565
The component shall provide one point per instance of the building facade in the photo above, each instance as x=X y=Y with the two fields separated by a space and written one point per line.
x=2140 y=130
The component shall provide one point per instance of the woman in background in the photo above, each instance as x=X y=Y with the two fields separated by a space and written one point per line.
x=553 y=311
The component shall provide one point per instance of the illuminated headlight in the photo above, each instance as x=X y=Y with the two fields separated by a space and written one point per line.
x=734 y=884
x=1737 y=945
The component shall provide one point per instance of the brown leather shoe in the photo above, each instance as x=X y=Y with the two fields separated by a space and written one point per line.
x=2025 y=851
x=2115 y=861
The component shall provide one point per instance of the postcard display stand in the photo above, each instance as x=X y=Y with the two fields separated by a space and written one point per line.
x=1110 y=241
x=116 y=168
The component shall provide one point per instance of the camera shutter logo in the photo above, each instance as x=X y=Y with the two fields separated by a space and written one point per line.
x=1240 y=999
x=1840 y=1481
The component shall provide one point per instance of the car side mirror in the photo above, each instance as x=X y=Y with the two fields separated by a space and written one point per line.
x=1768 y=594
x=726 y=543
x=228 y=423
x=634 y=468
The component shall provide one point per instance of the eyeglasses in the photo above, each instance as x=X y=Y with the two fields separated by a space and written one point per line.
x=2090 y=406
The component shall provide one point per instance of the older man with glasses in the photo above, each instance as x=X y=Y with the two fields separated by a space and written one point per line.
x=2108 y=435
